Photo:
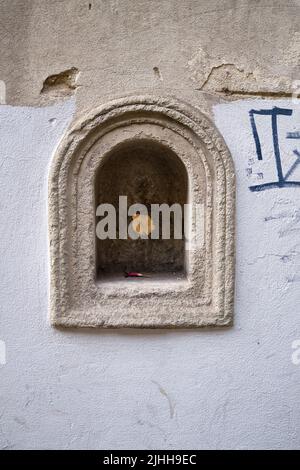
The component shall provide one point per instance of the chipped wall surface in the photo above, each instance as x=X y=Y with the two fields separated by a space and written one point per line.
x=235 y=388
x=120 y=46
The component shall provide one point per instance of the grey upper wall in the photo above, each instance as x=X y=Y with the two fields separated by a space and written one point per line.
x=205 y=51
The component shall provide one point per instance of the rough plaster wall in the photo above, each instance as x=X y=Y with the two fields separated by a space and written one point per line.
x=182 y=389
x=200 y=49
x=236 y=388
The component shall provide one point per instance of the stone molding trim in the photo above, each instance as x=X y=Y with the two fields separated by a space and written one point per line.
x=204 y=297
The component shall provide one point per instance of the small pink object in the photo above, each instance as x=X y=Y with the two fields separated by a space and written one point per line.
x=133 y=274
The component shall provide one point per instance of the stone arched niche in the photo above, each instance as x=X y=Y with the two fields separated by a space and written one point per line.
x=145 y=172
x=154 y=150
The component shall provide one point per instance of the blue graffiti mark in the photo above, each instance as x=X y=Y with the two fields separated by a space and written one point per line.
x=282 y=180
x=293 y=135
x=274 y=184
x=294 y=165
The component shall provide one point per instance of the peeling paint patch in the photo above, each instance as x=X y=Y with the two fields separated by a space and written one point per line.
x=63 y=83
x=217 y=75
x=158 y=73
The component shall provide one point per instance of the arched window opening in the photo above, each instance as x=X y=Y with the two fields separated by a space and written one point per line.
x=148 y=173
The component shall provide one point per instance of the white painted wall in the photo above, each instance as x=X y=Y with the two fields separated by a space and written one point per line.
x=235 y=388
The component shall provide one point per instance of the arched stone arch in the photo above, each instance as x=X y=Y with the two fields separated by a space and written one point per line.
x=204 y=297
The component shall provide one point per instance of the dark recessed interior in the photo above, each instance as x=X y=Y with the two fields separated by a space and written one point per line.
x=147 y=173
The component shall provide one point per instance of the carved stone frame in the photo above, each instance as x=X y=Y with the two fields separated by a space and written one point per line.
x=205 y=297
